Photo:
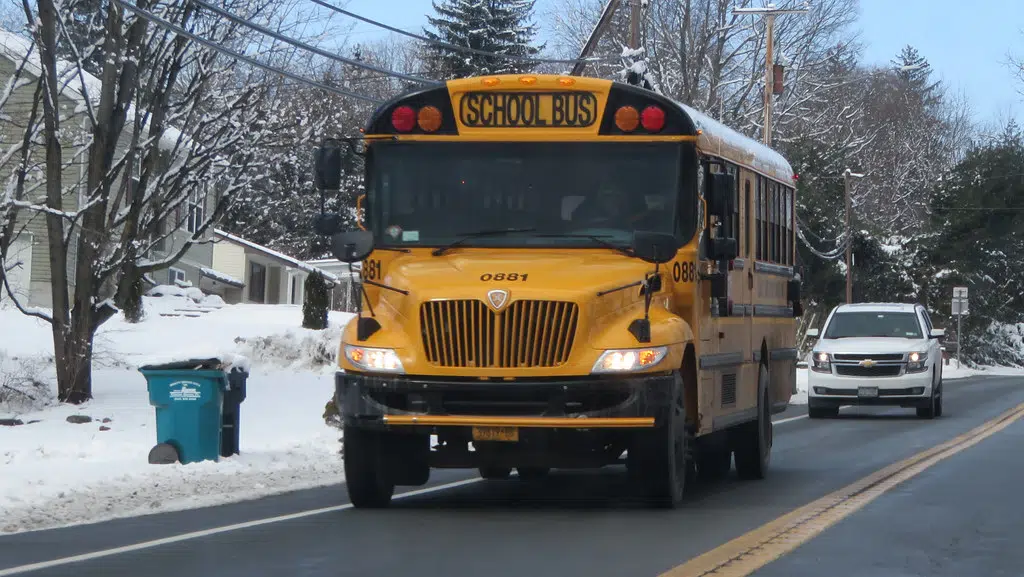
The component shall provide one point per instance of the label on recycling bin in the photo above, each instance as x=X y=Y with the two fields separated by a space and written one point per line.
x=185 y=391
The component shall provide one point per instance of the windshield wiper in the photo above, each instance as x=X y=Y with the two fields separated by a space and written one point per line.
x=595 y=238
x=467 y=236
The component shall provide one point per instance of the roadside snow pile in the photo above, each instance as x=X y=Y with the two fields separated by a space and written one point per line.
x=58 y=473
x=94 y=466
x=800 y=397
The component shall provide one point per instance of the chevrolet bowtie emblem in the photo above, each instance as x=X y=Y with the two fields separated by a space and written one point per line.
x=497 y=299
x=867 y=363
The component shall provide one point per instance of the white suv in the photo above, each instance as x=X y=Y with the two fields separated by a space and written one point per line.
x=876 y=354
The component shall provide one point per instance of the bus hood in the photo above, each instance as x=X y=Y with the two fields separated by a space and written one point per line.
x=570 y=275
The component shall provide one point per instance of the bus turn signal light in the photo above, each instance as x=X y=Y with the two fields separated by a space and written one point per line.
x=403 y=118
x=429 y=118
x=653 y=119
x=627 y=118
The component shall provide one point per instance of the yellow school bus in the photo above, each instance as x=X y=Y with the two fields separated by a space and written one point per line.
x=563 y=272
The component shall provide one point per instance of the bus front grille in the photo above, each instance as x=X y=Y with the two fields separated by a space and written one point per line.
x=527 y=334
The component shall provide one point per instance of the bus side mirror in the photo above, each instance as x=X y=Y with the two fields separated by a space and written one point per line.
x=328 y=224
x=655 y=247
x=327 y=171
x=352 y=246
x=720 y=190
x=723 y=248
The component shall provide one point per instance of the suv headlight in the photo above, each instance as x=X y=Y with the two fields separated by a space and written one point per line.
x=380 y=360
x=821 y=362
x=629 y=360
x=915 y=362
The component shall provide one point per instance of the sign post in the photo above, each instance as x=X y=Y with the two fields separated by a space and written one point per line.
x=960 y=308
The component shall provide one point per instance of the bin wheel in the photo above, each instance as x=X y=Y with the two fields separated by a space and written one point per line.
x=367 y=477
x=164 y=454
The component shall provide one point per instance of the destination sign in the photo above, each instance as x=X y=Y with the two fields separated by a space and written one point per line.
x=528 y=109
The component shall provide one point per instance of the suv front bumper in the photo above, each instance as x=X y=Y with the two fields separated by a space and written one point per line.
x=379 y=401
x=831 y=390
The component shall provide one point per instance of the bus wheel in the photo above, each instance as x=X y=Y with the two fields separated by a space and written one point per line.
x=753 y=448
x=366 y=473
x=661 y=457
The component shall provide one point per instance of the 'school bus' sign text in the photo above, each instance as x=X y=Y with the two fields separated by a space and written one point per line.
x=528 y=109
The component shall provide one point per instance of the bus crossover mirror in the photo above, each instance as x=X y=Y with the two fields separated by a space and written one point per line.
x=352 y=246
x=328 y=224
x=654 y=247
x=722 y=190
x=327 y=170
x=723 y=249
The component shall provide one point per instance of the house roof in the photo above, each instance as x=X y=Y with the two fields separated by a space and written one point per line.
x=274 y=254
x=75 y=84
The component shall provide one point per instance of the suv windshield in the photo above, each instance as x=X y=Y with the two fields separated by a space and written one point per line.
x=874 y=324
x=426 y=194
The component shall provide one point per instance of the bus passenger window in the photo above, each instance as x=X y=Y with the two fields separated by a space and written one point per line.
x=757 y=217
x=746 y=220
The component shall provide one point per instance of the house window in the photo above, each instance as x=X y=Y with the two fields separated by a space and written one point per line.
x=196 y=209
x=176 y=276
x=257 y=282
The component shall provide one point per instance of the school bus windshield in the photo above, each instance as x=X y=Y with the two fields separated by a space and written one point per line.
x=427 y=193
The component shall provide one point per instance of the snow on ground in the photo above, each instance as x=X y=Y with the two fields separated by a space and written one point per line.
x=57 y=473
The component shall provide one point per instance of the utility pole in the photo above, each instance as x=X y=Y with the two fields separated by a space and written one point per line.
x=849 y=234
x=634 y=24
x=769 y=13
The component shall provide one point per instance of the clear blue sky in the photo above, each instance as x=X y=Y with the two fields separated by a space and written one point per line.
x=966 y=42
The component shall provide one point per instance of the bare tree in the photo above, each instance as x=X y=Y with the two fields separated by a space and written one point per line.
x=165 y=137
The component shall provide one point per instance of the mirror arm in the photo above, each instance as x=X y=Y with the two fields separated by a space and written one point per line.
x=384 y=286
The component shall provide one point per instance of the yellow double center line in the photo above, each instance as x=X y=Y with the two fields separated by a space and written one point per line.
x=748 y=553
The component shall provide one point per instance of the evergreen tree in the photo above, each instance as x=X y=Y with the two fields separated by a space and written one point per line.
x=979 y=241
x=85 y=27
x=317 y=303
x=501 y=27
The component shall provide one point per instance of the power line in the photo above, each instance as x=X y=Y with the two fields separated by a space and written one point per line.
x=450 y=46
x=150 y=17
x=299 y=44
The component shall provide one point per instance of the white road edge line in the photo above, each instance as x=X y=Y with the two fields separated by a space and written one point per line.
x=208 y=532
x=779 y=422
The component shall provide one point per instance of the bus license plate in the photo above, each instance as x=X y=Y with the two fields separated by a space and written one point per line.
x=869 y=392
x=503 y=434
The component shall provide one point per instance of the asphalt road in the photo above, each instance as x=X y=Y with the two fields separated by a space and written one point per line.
x=963 y=512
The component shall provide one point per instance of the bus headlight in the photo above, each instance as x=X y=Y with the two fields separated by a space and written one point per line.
x=381 y=360
x=628 y=360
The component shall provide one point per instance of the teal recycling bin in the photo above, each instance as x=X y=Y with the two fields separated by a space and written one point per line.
x=189 y=409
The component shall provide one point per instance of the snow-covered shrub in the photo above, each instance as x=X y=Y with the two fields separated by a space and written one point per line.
x=298 y=350
x=166 y=291
x=23 y=387
x=214 y=301
x=1001 y=345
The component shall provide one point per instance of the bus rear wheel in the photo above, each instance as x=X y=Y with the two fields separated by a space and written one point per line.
x=753 y=448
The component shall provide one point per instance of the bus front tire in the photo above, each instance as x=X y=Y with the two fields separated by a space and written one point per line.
x=661 y=457
x=367 y=478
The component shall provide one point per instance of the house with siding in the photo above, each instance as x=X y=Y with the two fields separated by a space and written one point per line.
x=29 y=256
x=260 y=275
x=345 y=294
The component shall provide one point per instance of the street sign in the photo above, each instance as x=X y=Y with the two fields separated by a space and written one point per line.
x=960 y=292
x=960 y=309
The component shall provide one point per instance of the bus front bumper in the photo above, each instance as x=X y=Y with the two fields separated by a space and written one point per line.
x=621 y=402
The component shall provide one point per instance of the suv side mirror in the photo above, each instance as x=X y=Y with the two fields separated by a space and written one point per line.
x=352 y=246
x=327 y=171
x=936 y=333
x=813 y=333
x=654 y=247
x=720 y=190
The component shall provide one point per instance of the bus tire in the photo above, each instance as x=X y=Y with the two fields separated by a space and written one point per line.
x=661 y=457
x=366 y=472
x=753 y=449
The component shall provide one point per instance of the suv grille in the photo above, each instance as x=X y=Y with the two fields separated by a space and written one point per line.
x=875 y=371
x=861 y=356
x=467 y=333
